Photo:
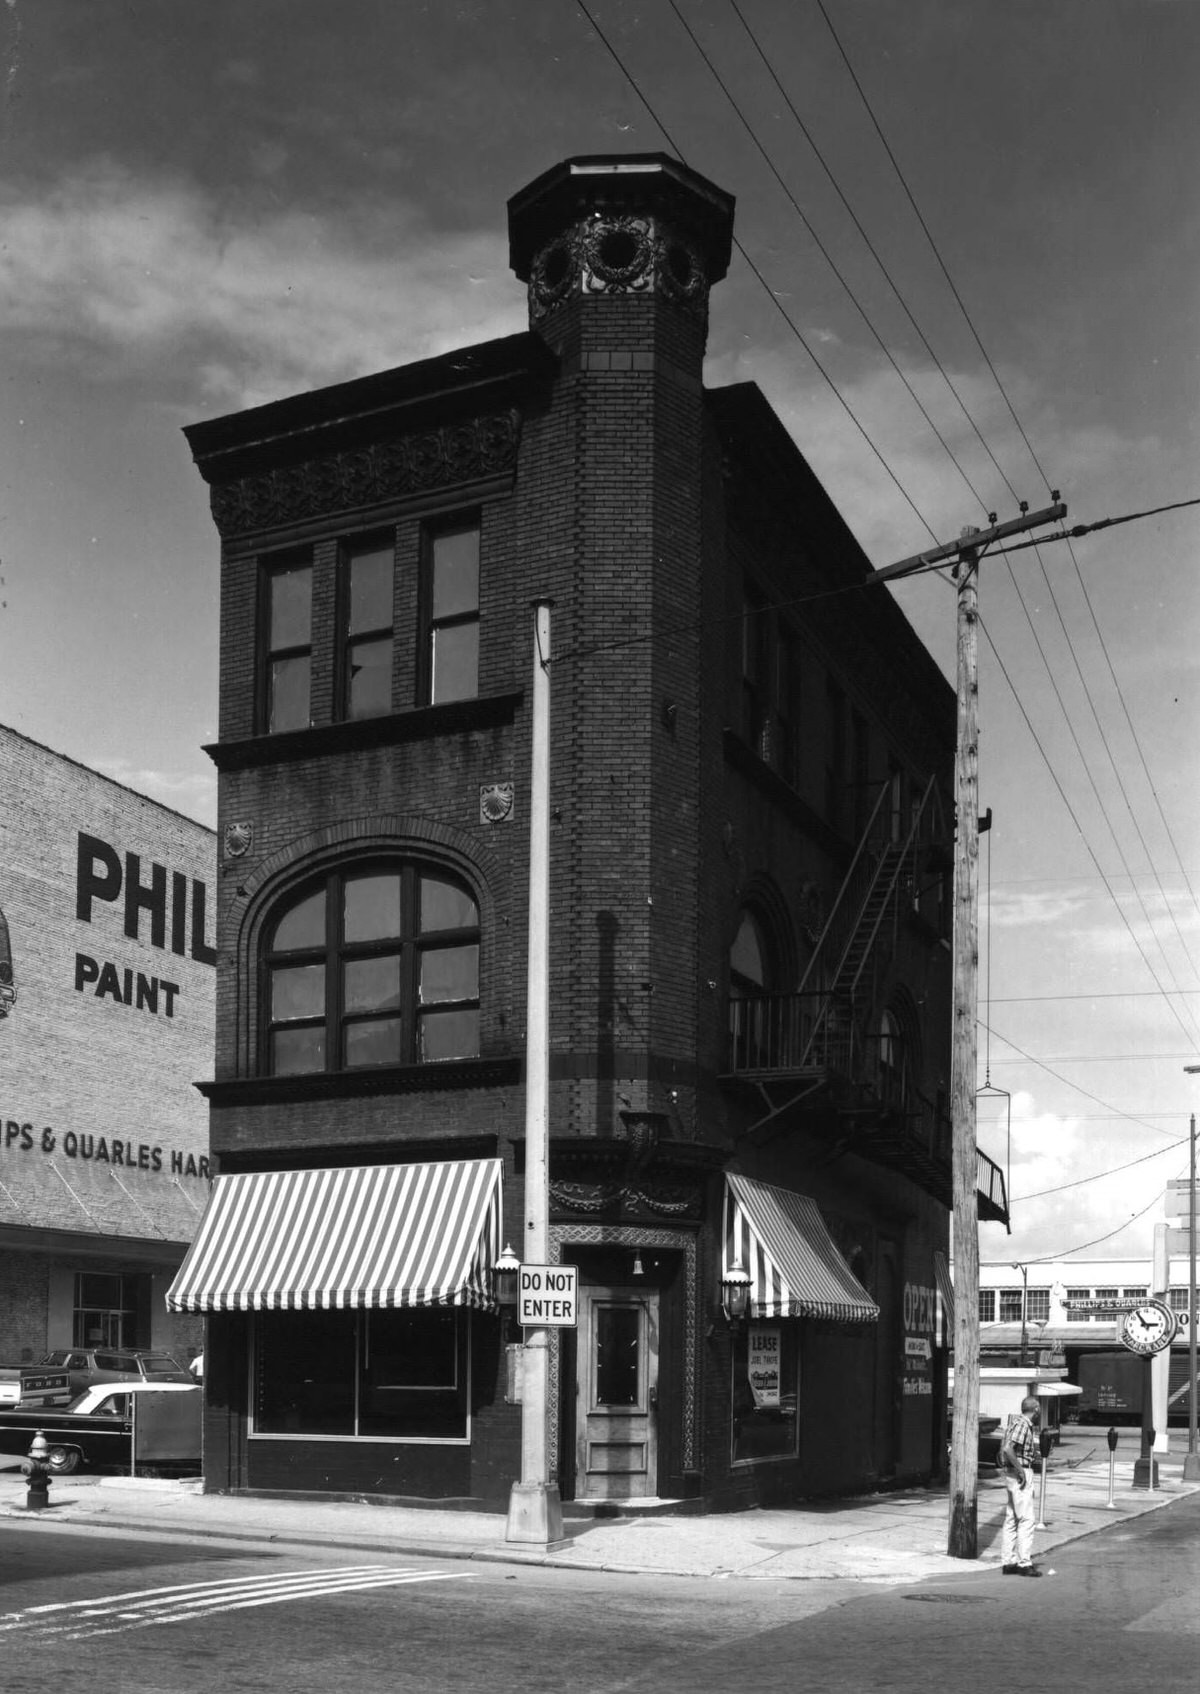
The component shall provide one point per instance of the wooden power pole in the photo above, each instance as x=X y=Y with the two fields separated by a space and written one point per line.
x=964 y=1447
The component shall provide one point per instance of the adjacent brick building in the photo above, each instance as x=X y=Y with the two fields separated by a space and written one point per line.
x=107 y=990
x=750 y=976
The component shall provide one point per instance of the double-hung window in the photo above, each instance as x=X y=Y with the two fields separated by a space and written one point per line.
x=286 y=698
x=451 y=658
x=1012 y=1305
x=770 y=684
x=367 y=573
x=375 y=965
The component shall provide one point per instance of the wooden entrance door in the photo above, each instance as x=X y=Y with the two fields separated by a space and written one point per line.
x=617 y=1393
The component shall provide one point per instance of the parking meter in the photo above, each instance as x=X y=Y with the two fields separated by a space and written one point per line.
x=1045 y=1447
x=1111 y=1438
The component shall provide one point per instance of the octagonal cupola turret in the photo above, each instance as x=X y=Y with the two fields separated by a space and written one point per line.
x=595 y=231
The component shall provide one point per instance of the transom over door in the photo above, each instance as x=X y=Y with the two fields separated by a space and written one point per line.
x=617 y=1394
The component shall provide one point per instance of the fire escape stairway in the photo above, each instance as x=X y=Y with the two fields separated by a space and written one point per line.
x=833 y=1044
x=825 y=1052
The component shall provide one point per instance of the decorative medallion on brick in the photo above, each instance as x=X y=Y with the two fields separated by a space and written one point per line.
x=457 y=454
x=495 y=802
x=239 y=838
x=617 y=255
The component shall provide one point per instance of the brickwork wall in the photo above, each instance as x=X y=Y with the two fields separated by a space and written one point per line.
x=103 y=1132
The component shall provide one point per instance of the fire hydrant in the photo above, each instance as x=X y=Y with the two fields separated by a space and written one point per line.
x=37 y=1469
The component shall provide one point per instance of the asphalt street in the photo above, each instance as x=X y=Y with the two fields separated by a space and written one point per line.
x=146 y=1614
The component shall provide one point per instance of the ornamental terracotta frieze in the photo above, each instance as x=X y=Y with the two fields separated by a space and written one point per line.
x=408 y=465
x=618 y=255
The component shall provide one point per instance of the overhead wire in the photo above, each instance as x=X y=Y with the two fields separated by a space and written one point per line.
x=968 y=319
x=1086 y=765
x=962 y=305
x=1162 y=989
x=822 y=248
x=1126 y=1117
x=871 y=248
x=766 y=287
x=1115 y=1170
x=1078 y=825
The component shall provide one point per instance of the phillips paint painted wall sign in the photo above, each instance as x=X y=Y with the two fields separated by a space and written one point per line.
x=107 y=1002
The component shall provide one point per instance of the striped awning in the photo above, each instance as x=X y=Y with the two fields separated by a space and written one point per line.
x=943 y=1331
x=372 y=1235
x=780 y=1238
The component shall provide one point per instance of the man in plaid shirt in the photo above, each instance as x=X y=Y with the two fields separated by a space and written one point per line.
x=1020 y=1459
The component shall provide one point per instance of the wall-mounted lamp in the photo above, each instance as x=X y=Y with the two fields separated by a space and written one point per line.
x=637 y=1262
x=735 y=1293
x=504 y=1277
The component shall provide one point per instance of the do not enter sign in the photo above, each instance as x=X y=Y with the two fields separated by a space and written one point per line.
x=548 y=1296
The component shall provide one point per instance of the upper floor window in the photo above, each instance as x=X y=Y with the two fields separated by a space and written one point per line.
x=372 y=966
x=287 y=662
x=770 y=685
x=987 y=1305
x=836 y=775
x=367 y=571
x=451 y=657
x=1037 y=1308
x=1011 y=1305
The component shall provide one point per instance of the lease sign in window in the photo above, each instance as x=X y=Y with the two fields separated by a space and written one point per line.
x=763 y=1356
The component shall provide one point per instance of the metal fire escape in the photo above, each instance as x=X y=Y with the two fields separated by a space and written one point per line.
x=823 y=1051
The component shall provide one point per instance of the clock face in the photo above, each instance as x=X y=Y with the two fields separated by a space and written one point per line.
x=1148 y=1328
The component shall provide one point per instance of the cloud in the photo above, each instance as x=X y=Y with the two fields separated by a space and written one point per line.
x=125 y=277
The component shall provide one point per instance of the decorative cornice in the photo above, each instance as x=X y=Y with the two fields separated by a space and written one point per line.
x=400 y=467
x=455 y=717
x=347 y=1085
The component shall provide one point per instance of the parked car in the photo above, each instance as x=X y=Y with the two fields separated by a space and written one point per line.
x=990 y=1437
x=86 y=1365
x=96 y=1429
x=47 y=1385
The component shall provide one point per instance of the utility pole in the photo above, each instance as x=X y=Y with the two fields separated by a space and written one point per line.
x=1191 y=1465
x=964 y=1447
x=534 y=1508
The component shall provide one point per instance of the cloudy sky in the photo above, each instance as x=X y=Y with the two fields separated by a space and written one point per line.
x=976 y=230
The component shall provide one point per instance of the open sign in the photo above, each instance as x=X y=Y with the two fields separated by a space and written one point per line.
x=548 y=1296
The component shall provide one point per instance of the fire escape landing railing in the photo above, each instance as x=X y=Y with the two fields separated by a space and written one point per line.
x=823 y=1045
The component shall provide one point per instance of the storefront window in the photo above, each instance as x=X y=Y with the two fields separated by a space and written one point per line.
x=383 y=1375
x=108 y=1310
x=765 y=1392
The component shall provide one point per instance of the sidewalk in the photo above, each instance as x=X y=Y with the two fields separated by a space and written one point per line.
x=882 y=1538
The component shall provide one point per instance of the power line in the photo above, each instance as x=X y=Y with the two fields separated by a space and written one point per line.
x=1087 y=768
x=767 y=289
x=932 y=243
x=1079 y=827
x=820 y=245
x=1100 y=1175
x=870 y=246
x=1051 y=1258
x=1128 y=1117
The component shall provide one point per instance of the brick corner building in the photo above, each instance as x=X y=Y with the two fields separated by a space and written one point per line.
x=750 y=761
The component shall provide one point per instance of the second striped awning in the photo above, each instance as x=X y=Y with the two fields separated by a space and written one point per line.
x=370 y=1235
x=780 y=1238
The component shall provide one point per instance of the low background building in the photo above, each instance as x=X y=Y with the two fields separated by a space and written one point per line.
x=107 y=988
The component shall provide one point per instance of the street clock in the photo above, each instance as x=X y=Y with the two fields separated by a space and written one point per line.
x=1148 y=1328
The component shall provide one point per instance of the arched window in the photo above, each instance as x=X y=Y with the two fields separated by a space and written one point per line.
x=891 y=1059
x=372 y=965
x=750 y=974
x=748 y=958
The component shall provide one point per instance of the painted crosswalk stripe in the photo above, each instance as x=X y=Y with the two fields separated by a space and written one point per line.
x=112 y=1614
